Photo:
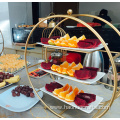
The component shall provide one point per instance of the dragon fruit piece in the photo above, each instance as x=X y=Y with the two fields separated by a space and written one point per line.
x=87 y=97
x=82 y=74
x=49 y=87
x=85 y=44
x=80 y=102
x=46 y=66
x=53 y=85
x=56 y=85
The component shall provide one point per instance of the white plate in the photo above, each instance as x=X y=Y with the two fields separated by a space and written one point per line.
x=72 y=49
x=18 y=104
x=87 y=109
x=89 y=81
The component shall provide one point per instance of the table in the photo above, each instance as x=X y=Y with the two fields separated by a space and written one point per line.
x=38 y=110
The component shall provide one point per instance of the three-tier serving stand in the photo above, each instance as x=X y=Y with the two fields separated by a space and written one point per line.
x=116 y=90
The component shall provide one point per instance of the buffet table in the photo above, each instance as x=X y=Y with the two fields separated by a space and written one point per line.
x=38 y=111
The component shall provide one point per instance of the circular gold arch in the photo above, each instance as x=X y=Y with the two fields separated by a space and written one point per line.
x=105 y=46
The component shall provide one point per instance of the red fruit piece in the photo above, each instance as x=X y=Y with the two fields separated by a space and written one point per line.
x=93 y=71
x=80 y=102
x=49 y=87
x=82 y=74
x=84 y=44
x=13 y=94
x=44 y=40
x=87 y=97
x=53 y=85
x=46 y=66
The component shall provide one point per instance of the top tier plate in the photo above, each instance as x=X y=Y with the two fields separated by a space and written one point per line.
x=71 y=49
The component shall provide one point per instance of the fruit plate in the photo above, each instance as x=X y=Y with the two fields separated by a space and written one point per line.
x=72 y=49
x=20 y=69
x=88 y=81
x=87 y=109
x=6 y=86
x=32 y=76
x=18 y=104
x=8 y=83
x=17 y=70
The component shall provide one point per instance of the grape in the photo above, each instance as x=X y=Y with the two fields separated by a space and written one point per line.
x=13 y=94
x=18 y=94
x=32 y=95
x=28 y=94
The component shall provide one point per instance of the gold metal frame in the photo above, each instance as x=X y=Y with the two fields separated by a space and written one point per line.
x=115 y=94
x=2 y=42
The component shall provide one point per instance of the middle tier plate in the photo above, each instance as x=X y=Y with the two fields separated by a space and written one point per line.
x=88 y=81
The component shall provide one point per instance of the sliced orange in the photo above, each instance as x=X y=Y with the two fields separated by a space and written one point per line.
x=81 y=38
x=59 y=69
x=64 y=64
x=81 y=91
x=77 y=67
x=71 y=96
x=62 y=38
x=73 y=38
x=63 y=94
x=72 y=42
x=51 y=42
x=64 y=43
x=73 y=45
x=71 y=65
x=54 y=67
x=71 y=72
x=57 y=42
x=58 y=90
x=64 y=71
x=66 y=37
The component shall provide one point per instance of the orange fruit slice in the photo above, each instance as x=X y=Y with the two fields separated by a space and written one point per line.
x=81 y=38
x=81 y=91
x=57 y=42
x=71 y=72
x=64 y=71
x=51 y=42
x=58 y=90
x=71 y=65
x=59 y=69
x=54 y=67
x=71 y=96
x=67 y=36
x=63 y=94
x=72 y=42
x=73 y=38
x=64 y=64
x=77 y=67
x=64 y=43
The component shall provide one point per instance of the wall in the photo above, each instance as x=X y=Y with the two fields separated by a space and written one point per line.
x=5 y=23
x=12 y=13
x=44 y=9
x=94 y=8
x=20 y=12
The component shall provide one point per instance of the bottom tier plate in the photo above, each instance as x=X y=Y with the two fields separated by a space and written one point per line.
x=87 y=109
x=19 y=103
